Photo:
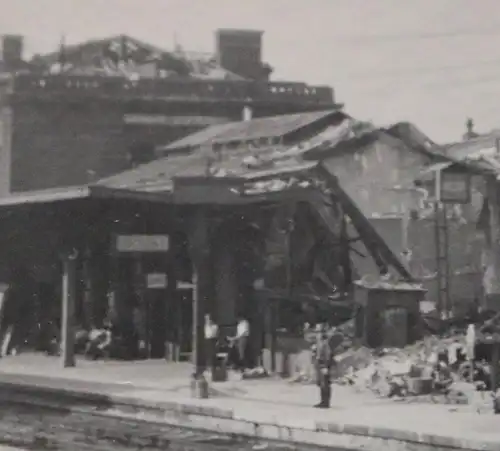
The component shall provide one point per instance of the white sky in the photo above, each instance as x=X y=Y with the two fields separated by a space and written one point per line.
x=432 y=62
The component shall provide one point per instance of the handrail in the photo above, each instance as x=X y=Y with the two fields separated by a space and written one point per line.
x=156 y=88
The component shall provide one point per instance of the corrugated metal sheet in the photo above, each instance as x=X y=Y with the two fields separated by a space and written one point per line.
x=157 y=174
x=261 y=128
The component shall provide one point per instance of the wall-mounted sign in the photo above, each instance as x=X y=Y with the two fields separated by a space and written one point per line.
x=156 y=281
x=163 y=119
x=185 y=285
x=142 y=243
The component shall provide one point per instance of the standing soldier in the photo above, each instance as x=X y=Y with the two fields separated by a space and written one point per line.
x=324 y=363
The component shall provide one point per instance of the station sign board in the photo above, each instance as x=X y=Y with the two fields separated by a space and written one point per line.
x=142 y=243
x=455 y=187
x=447 y=186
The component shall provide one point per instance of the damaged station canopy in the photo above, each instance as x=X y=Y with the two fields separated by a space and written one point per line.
x=274 y=172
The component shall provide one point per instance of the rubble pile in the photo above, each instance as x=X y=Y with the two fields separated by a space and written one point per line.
x=347 y=334
x=435 y=368
x=409 y=371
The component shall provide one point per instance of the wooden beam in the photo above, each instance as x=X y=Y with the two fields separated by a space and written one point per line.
x=68 y=310
x=198 y=237
x=379 y=249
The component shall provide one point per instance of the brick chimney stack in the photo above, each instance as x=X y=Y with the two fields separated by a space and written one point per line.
x=240 y=51
x=11 y=49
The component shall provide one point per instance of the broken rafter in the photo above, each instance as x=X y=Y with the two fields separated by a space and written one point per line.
x=377 y=247
x=319 y=200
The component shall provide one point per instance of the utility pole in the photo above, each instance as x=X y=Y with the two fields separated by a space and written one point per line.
x=493 y=199
x=442 y=247
x=289 y=228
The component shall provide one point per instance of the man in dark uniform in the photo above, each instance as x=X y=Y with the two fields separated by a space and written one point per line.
x=324 y=362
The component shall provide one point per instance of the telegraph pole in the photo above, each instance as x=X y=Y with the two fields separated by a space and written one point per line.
x=493 y=200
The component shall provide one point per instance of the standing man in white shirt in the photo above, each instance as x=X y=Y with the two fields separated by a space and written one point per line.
x=241 y=339
x=211 y=336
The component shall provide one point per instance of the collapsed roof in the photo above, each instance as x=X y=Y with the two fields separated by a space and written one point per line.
x=265 y=156
x=124 y=56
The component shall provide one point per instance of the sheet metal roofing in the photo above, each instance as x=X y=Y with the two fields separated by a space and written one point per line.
x=261 y=128
x=245 y=161
x=247 y=158
x=480 y=155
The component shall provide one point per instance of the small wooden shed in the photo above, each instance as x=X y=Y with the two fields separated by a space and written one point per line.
x=388 y=314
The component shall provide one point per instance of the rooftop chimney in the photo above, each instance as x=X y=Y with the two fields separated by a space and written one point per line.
x=240 y=52
x=11 y=48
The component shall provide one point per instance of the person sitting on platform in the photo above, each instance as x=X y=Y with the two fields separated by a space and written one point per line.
x=99 y=343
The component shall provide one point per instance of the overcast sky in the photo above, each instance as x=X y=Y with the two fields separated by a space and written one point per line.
x=432 y=62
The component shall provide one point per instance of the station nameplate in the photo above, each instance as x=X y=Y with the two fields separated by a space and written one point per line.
x=142 y=243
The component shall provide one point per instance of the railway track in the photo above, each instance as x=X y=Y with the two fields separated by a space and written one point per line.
x=31 y=427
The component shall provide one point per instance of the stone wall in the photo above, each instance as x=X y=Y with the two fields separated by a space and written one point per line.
x=369 y=175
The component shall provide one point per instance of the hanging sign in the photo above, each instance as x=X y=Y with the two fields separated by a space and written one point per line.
x=185 y=285
x=455 y=187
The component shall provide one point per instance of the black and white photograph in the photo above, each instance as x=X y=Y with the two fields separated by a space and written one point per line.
x=250 y=225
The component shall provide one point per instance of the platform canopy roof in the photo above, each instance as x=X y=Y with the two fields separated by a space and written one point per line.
x=51 y=195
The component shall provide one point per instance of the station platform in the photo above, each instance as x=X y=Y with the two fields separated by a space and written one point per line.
x=268 y=409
